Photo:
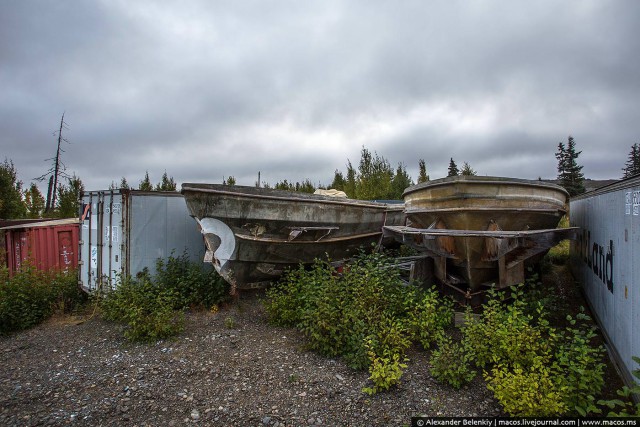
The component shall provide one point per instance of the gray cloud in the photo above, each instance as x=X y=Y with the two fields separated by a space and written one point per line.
x=294 y=89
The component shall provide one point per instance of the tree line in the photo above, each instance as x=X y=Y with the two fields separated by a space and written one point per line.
x=373 y=179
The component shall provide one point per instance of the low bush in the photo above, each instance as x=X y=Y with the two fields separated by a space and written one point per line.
x=153 y=307
x=32 y=295
x=147 y=310
x=365 y=314
x=450 y=363
x=526 y=391
x=524 y=357
x=193 y=283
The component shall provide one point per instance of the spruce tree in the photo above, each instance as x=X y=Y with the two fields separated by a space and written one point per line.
x=166 y=183
x=570 y=174
x=422 y=173
x=145 y=184
x=632 y=167
x=453 y=168
x=124 y=184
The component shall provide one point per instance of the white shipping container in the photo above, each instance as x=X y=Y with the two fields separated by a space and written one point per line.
x=123 y=232
x=605 y=259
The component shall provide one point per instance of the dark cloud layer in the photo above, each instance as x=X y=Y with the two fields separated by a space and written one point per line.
x=205 y=90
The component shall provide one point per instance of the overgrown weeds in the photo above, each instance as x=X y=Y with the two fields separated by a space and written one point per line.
x=365 y=313
x=532 y=367
x=32 y=295
x=152 y=307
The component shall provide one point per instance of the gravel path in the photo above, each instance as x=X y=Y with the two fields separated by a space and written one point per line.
x=227 y=368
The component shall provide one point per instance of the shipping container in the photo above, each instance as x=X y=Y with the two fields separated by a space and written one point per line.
x=124 y=232
x=48 y=244
x=605 y=259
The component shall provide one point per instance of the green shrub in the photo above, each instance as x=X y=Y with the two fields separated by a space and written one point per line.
x=365 y=314
x=146 y=309
x=627 y=408
x=504 y=333
x=578 y=366
x=450 y=363
x=559 y=254
x=32 y=295
x=429 y=318
x=153 y=307
x=519 y=345
x=526 y=392
x=193 y=283
x=385 y=370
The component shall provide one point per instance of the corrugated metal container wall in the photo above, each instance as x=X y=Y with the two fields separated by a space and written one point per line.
x=126 y=231
x=605 y=259
x=48 y=245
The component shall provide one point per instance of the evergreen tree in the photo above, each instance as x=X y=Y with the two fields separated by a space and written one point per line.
x=350 y=184
x=467 y=170
x=401 y=181
x=166 y=183
x=453 y=168
x=570 y=174
x=632 y=167
x=422 y=173
x=374 y=177
x=285 y=186
x=124 y=184
x=69 y=198
x=11 y=204
x=305 y=187
x=339 y=183
x=145 y=184
x=229 y=181
x=34 y=201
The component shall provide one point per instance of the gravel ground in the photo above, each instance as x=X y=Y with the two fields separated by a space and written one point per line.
x=227 y=368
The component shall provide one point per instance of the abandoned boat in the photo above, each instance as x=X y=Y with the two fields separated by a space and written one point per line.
x=482 y=230
x=254 y=234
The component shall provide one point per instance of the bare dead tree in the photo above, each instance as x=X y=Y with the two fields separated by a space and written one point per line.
x=57 y=170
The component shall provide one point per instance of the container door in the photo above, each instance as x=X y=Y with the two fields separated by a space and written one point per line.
x=103 y=219
x=17 y=249
x=66 y=249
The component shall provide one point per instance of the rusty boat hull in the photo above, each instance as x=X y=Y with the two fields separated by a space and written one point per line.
x=254 y=234
x=483 y=230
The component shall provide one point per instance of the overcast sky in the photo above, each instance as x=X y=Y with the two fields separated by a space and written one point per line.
x=294 y=89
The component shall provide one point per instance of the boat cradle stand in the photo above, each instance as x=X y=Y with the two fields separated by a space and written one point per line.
x=509 y=249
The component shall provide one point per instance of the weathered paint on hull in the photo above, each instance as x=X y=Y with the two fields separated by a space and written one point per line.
x=488 y=204
x=254 y=234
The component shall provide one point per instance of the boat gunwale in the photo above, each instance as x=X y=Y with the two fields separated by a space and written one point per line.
x=296 y=197
x=296 y=242
x=502 y=234
x=483 y=180
x=481 y=209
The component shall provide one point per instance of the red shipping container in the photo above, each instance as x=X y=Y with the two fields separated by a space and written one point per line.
x=48 y=244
